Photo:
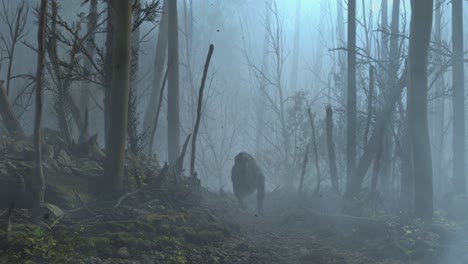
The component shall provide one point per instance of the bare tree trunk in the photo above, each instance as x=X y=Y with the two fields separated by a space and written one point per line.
x=121 y=60
x=199 y=110
x=303 y=172
x=331 y=150
x=439 y=106
x=296 y=49
x=421 y=159
x=341 y=43
x=385 y=162
x=351 y=107
x=16 y=34
x=159 y=62
x=173 y=115
x=370 y=98
x=407 y=179
x=379 y=128
x=260 y=105
x=158 y=111
x=314 y=141
x=458 y=71
x=59 y=104
x=108 y=71
x=10 y=121
x=38 y=181
x=91 y=32
x=133 y=137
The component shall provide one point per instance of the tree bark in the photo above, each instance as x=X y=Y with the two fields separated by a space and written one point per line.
x=108 y=70
x=38 y=181
x=331 y=150
x=121 y=60
x=52 y=51
x=314 y=141
x=199 y=110
x=173 y=112
x=351 y=104
x=439 y=106
x=303 y=171
x=91 y=32
x=10 y=121
x=296 y=49
x=341 y=54
x=159 y=62
x=458 y=71
x=421 y=159
x=377 y=134
x=261 y=104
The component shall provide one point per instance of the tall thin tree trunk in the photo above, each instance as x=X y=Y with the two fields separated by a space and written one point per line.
x=121 y=60
x=421 y=159
x=331 y=150
x=91 y=32
x=38 y=182
x=351 y=184
x=173 y=115
x=260 y=105
x=341 y=54
x=159 y=65
x=439 y=106
x=458 y=78
x=108 y=71
x=199 y=111
x=296 y=49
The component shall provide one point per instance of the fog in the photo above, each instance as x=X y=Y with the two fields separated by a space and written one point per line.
x=355 y=152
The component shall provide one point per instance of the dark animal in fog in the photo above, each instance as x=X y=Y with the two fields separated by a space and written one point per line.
x=247 y=177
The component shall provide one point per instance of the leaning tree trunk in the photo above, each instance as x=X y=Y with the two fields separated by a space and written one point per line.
x=38 y=181
x=351 y=186
x=121 y=59
x=458 y=72
x=173 y=115
x=421 y=159
x=10 y=121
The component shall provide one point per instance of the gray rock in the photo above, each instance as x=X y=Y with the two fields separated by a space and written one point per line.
x=123 y=252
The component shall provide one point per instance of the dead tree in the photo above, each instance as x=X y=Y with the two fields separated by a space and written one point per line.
x=118 y=104
x=16 y=25
x=331 y=150
x=314 y=141
x=304 y=166
x=38 y=181
x=8 y=115
x=158 y=110
x=59 y=95
x=199 y=110
x=370 y=98
x=159 y=62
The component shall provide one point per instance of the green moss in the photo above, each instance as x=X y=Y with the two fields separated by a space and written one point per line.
x=167 y=241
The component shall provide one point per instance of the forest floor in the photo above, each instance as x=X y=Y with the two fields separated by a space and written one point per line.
x=172 y=220
x=217 y=231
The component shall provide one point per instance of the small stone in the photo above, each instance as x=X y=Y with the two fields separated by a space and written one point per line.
x=63 y=158
x=53 y=210
x=93 y=260
x=123 y=252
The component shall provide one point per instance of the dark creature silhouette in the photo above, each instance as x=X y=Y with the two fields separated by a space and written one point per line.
x=247 y=177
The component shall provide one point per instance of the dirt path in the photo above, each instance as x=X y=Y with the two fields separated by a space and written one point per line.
x=267 y=240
